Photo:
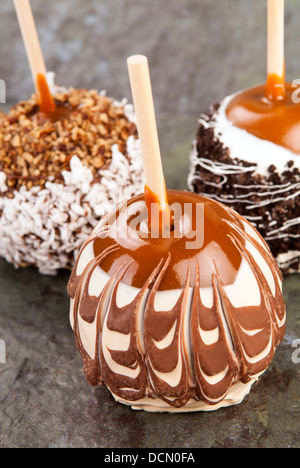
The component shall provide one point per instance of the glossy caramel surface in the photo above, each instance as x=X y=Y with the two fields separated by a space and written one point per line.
x=276 y=120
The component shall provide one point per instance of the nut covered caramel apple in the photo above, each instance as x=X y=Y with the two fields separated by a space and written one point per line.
x=185 y=322
x=67 y=157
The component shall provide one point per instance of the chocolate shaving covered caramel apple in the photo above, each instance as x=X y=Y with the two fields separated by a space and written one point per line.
x=67 y=157
x=176 y=301
x=247 y=153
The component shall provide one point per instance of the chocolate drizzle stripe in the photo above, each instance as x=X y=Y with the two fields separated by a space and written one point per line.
x=132 y=359
x=82 y=304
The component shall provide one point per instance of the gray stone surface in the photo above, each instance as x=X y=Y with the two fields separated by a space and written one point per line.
x=45 y=401
x=198 y=51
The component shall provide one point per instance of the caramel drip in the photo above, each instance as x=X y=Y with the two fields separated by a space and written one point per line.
x=166 y=353
x=276 y=119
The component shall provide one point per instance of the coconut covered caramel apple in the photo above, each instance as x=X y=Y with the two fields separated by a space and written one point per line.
x=176 y=301
x=246 y=153
x=67 y=157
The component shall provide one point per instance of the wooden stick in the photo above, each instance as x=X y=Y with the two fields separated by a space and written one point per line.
x=146 y=122
x=276 y=61
x=33 y=50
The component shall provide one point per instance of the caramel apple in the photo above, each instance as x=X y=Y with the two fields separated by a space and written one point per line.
x=67 y=157
x=176 y=301
x=247 y=153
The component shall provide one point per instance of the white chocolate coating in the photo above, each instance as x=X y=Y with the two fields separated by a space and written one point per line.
x=243 y=145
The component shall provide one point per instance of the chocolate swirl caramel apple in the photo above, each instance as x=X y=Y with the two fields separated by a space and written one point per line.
x=67 y=157
x=176 y=301
x=247 y=153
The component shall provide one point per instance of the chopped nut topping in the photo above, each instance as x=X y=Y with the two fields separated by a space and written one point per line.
x=35 y=148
